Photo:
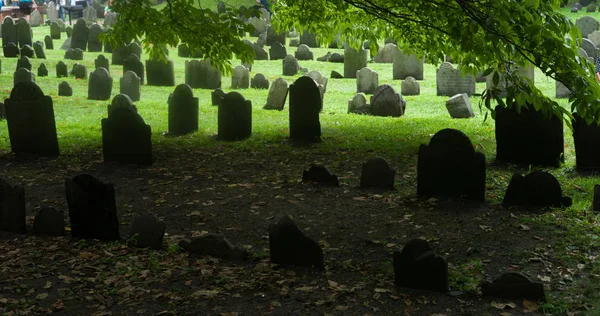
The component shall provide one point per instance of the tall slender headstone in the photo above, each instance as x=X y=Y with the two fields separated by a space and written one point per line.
x=12 y=208
x=305 y=105
x=130 y=85
x=354 y=60
x=183 y=111
x=234 y=117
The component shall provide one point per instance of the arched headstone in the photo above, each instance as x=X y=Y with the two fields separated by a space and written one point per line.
x=234 y=117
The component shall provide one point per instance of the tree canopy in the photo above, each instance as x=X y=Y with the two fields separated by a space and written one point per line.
x=490 y=36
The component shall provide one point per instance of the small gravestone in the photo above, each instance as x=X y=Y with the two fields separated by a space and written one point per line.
x=11 y=50
x=290 y=66
x=133 y=63
x=561 y=90
x=319 y=174
x=450 y=166
x=42 y=71
x=201 y=74
x=183 y=111
x=336 y=58
x=30 y=118
x=367 y=81
x=27 y=51
x=358 y=104
x=146 y=232
x=259 y=82
x=590 y=8
x=61 y=70
x=70 y=54
x=92 y=208
x=277 y=51
x=125 y=137
x=309 y=39
x=49 y=222
x=23 y=75
x=294 y=42
x=24 y=62
x=303 y=53
x=459 y=106
x=240 y=79
x=354 y=60
x=386 y=54
x=94 y=44
x=160 y=73
x=305 y=105
x=274 y=37
x=130 y=84
x=80 y=35
x=55 y=30
x=277 y=95
x=121 y=101
x=574 y=9
x=234 y=117
x=100 y=85
x=377 y=174
x=513 y=285
x=79 y=71
x=586 y=25
x=102 y=62
x=119 y=54
x=217 y=96
x=289 y=246
x=24 y=32
x=12 y=208
x=386 y=102
x=35 y=18
x=336 y=75
x=538 y=188
x=410 y=86
x=38 y=47
x=417 y=267
x=64 y=89
x=260 y=52
x=406 y=65
x=450 y=81
x=215 y=246
x=324 y=57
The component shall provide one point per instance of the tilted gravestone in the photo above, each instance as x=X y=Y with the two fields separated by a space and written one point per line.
x=406 y=65
x=234 y=117
x=586 y=138
x=79 y=71
x=595 y=38
x=289 y=246
x=30 y=118
x=459 y=106
x=80 y=35
x=215 y=246
x=38 y=47
x=133 y=63
x=49 y=222
x=69 y=31
x=277 y=95
x=303 y=53
x=319 y=174
x=260 y=26
x=9 y=35
x=146 y=232
x=55 y=30
x=160 y=73
x=64 y=89
x=513 y=285
x=42 y=70
x=100 y=85
x=538 y=188
x=201 y=74
x=92 y=208
x=183 y=111
x=66 y=44
x=102 y=62
x=377 y=174
x=259 y=52
x=417 y=267
x=27 y=51
x=290 y=66
x=359 y=105
x=240 y=78
x=450 y=166
x=305 y=105
x=277 y=51
x=12 y=208
x=93 y=42
x=450 y=81
x=354 y=60
x=259 y=82
x=561 y=90
x=23 y=75
x=216 y=96
x=386 y=102
x=24 y=32
x=61 y=70
x=367 y=80
x=336 y=58
x=24 y=62
x=386 y=54
x=410 y=86
x=130 y=84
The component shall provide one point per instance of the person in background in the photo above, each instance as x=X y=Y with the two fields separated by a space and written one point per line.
x=107 y=8
x=26 y=6
x=61 y=10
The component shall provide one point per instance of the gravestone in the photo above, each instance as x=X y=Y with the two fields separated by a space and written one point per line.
x=590 y=8
x=417 y=267
x=55 y=30
x=277 y=95
x=260 y=52
x=80 y=35
x=94 y=44
x=146 y=232
x=42 y=71
x=367 y=81
x=64 y=89
x=320 y=81
x=201 y=74
x=586 y=138
x=79 y=71
x=595 y=38
x=125 y=137
x=513 y=285
x=27 y=51
x=110 y=19
x=92 y=208
x=324 y=57
x=386 y=102
x=354 y=60
x=160 y=73
x=38 y=47
x=52 y=12
x=74 y=54
x=305 y=105
x=303 y=53
x=9 y=35
x=217 y=96
x=23 y=75
x=130 y=84
x=49 y=222
x=336 y=75
x=35 y=18
x=234 y=117
x=586 y=25
x=11 y=50
x=336 y=58
x=12 y=208
x=294 y=42
x=66 y=44
x=459 y=106
x=183 y=111
x=450 y=166
x=133 y=63
x=259 y=82
x=274 y=37
x=309 y=39
x=89 y=14
x=100 y=85
x=24 y=62
x=406 y=65
x=101 y=62
x=589 y=47
x=69 y=31
x=386 y=54
x=240 y=78
x=561 y=90
x=30 y=118
x=289 y=246
x=48 y=42
x=358 y=104
x=450 y=81
x=61 y=70
x=119 y=54
x=24 y=32
x=260 y=26
x=528 y=137
x=410 y=86
x=290 y=66
x=215 y=246
x=121 y=101
x=526 y=71
x=221 y=7
x=277 y=51
x=538 y=188
x=61 y=25
x=377 y=174
x=319 y=174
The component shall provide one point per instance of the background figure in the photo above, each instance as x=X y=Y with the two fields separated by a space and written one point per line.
x=26 y=6
x=107 y=8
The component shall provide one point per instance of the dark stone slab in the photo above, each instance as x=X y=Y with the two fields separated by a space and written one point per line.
x=289 y=246
x=126 y=138
x=234 y=117
x=183 y=111
x=64 y=89
x=217 y=96
x=160 y=73
x=42 y=70
x=24 y=62
x=100 y=85
x=305 y=105
x=215 y=246
x=49 y=222
x=336 y=75
x=10 y=50
x=587 y=140
x=514 y=285
x=319 y=174
x=80 y=35
x=146 y=232
x=28 y=51
x=417 y=267
x=538 y=188
x=133 y=63
x=377 y=174
x=38 y=48
x=12 y=208
x=61 y=70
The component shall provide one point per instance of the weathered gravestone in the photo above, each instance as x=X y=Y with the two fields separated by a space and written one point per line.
x=79 y=71
x=294 y=42
x=184 y=51
x=277 y=95
x=100 y=85
x=183 y=111
x=259 y=82
x=64 y=89
x=459 y=106
x=221 y=7
x=386 y=102
x=160 y=73
x=217 y=96
x=586 y=138
x=561 y=90
x=289 y=246
x=89 y=14
x=309 y=39
x=55 y=30
x=92 y=208
x=69 y=31
x=417 y=267
x=377 y=174
x=274 y=37
x=27 y=51
x=125 y=136
x=201 y=74
x=49 y=222
x=24 y=62
x=319 y=174
x=80 y=35
x=359 y=105
x=61 y=70
x=74 y=54
x=30 y=118
x=410 y=86
x=290 y=66
x=513 y=285
x=35 y=18
x=42 y=71
x=259 y=52
x=93 y=42
x=260 y=26
x=110 y=19
x=23 y=75
x=102 y=62
x=277 y=51
x=52 y=12
x=146 y=232
x=12 y=208
x=450 y=81
x=305 y=105
x=24 y=32
x=586 y=25
x=367 y=80
x=589 y=47
x=595 y=38
x=9 y=35
x=240 y=78
x=303 y=53
x=354 y=60
x=215 y=246
x=11 y=50
x=336 y=58
x=386 y=53
x=234 y=117
x=528 y=137
x=38 y=47
x=130 y=84
x=590 y=8
x=450 y=166
x=406 y=65
x=538 y=188
x=133 y=63
x=320 y=81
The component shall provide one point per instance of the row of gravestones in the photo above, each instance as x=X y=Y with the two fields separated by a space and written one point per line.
x=19 y=34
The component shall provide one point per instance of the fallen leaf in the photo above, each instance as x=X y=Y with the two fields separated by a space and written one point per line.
x=205 y=294
x=530 y=306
